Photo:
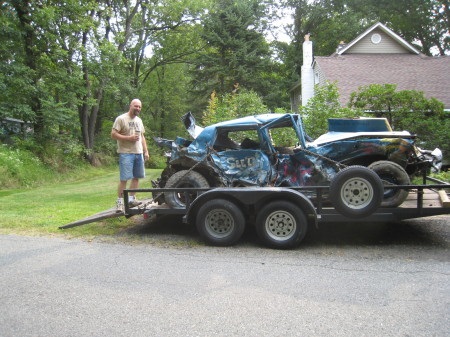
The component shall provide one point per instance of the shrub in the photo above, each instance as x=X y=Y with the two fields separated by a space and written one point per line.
x=21 y=168
x=324 y=105
x=238 y=103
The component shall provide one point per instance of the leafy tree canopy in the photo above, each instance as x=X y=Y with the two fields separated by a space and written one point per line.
x=235 y=50
x=406 y=110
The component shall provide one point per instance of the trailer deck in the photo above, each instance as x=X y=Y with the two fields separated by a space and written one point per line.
x=422 y=201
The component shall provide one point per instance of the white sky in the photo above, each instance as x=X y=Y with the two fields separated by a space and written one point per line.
x=280 y=26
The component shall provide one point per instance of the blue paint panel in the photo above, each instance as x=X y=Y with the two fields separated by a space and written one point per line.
x=243 y=167
x=358 y=125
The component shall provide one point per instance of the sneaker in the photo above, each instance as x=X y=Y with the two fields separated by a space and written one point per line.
x=134 y=203
x=119 y=206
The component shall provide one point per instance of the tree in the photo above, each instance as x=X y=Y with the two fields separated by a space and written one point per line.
x=143 y=23
x=42 y=75
x=16 y=82
x=425 y=23
x=238 y=103
x=406 y=110
x=324 y=105
x=72 y=55
x=235 y=50
x=327 y=22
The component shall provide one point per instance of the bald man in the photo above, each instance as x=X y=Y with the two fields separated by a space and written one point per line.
x=128 y=130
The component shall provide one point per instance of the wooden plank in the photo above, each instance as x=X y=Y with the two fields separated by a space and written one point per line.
x=444 y=198
x=430 y=199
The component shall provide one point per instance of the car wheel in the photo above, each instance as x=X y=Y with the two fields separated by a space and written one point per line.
x=183 y=179
x=391 y=173
x=220 y=222
x=281 y=224
x=161 y=182
x=356 y=191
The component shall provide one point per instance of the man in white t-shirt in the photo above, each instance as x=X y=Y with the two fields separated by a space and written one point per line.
x=129 y=130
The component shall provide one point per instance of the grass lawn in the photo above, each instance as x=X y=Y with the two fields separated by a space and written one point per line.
x=40 y=211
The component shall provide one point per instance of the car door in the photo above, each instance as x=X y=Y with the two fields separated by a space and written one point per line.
x=240 y=160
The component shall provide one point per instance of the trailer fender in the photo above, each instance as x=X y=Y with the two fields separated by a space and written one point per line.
x=253 y=196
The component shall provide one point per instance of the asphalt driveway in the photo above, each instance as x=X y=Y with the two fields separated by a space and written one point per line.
x=345 y=280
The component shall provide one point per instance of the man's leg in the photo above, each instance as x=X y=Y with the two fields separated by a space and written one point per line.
x=134 y=184
x=138 y=172
x=121 y=187
x=126 y=173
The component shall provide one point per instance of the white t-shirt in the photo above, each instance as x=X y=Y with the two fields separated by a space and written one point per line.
x=127 y=126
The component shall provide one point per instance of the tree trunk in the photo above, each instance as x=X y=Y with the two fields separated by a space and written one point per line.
x=23 y=10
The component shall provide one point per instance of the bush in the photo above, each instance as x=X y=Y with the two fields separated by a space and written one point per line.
x=28 y=162
x=324 y=105
x=21 y=168
x=444 y=176
x=157 y=158
x=407 y=110
x=239 y=103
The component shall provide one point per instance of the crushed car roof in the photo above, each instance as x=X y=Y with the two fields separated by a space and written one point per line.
x=251 y=120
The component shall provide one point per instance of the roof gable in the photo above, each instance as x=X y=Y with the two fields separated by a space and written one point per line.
x=378 y=39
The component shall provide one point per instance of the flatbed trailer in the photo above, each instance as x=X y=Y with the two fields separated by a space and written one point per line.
x=422 y=201
x=281 y=214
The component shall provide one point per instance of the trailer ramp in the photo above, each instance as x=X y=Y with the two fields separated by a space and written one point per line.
x=109 y=214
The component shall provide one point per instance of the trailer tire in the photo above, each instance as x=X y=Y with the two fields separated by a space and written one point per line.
x=281 y=224
x=356 y=191
x=220 y=222
x=183 y=179
x=391 y=173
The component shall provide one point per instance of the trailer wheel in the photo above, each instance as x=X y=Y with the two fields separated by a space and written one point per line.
x=183 y=179
x=281 y=224
x=356 y=191
x=220 y=222
x=391 y=173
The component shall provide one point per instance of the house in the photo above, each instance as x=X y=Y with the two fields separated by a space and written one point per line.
x=377 y=56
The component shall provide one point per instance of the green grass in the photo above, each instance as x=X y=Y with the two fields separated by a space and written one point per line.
x=41 y=210
x=443 y=176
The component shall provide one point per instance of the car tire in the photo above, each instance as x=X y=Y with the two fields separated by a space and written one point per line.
x=220 y=222
x=356 y=191
x=391 y=173
x=161 y=182
x=281 y=224
x=183 y=179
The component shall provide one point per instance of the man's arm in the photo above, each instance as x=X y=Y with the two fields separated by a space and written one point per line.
x=144 y=147
x=117 y=136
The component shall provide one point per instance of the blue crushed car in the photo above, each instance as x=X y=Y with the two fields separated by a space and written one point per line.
x=274 y=150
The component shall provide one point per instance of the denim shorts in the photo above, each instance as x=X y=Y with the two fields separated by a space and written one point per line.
x=131 y=166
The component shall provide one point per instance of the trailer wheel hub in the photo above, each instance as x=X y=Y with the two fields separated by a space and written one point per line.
x=357 y=193
x=280 y=224
x=219 y=222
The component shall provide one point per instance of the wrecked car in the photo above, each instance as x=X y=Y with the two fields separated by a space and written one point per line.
x=274 y=150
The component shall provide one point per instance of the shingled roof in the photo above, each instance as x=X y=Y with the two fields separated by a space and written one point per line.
x=377 y=56
x=409 y=71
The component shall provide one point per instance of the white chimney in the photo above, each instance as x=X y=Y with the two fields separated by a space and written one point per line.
x=307 y=71
x=341 y=46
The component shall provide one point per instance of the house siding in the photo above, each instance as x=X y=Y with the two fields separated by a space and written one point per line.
x=393 y=60
x=319 y=74
x=387 y=45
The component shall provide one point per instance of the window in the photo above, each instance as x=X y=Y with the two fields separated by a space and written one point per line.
x=316 y=78
x=376 y=38
x=232 y=140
